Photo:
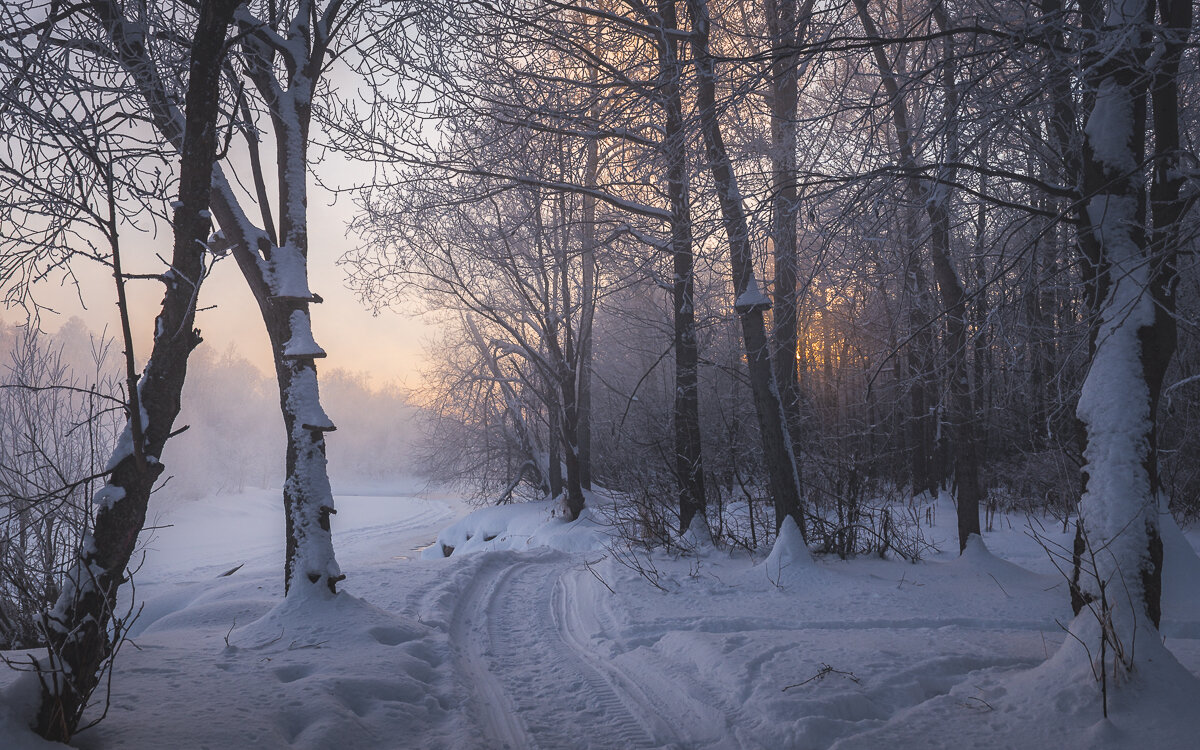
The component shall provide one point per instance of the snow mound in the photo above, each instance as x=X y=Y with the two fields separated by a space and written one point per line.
x=522 y=526
x=790 y=555
x=345 y=672
x=307 y=619
x=697 y=540
x=18 y=705
x=977 y=558
x=1056 y=704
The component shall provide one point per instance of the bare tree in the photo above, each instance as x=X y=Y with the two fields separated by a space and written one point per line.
x=276 y=76
x=59 y=420
x=751 y=302
x=80 y=631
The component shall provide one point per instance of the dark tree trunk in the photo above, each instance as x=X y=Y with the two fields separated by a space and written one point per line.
x=689 y=468
x=963 y=419
x=77 y=630
x=570 y=445
x=784 y=26
x=1168 y=205
x=750 y=304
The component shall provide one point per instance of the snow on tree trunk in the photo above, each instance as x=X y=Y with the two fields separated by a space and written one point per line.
x=80 y=630
x=1117 y=509
x=1119 y=550
x=788 y=554
x=307 y=495
x=274 y=264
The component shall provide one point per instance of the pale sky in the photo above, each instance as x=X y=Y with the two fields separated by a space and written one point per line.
x=388 y=347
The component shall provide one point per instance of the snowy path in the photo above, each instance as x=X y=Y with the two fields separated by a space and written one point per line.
x=522 y=649
x=521 y=644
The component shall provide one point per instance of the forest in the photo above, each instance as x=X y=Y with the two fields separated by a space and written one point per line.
x=708 y=282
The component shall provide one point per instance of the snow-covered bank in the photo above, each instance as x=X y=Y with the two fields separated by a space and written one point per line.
x=534 y=634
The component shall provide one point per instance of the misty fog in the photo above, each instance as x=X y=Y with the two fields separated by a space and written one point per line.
x=234 y=436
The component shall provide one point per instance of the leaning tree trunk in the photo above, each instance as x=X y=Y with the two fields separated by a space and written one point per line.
x=689 y=467
x=751 y=303
x=273 y=264
x=79 y=631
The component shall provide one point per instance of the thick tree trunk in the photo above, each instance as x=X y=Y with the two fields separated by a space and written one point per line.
x=751 y=302
x=77 y=630
x=689 y=468
x=784 y=26
x=1134 y=334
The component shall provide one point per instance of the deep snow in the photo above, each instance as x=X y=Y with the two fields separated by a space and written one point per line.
x=532 y=634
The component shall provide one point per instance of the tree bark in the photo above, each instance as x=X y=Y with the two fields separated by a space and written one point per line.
x=274 y=264
x=750 y=304
x=77 y=629
x=1135 y=276
x=689 y=467
x=785 y=24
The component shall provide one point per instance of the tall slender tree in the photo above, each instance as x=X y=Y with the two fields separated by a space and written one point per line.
x=78 y=630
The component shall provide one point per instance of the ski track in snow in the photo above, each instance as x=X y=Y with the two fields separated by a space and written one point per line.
x=538 y=652
x=514 y=671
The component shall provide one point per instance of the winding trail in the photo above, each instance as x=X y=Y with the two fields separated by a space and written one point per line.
x=523 y=654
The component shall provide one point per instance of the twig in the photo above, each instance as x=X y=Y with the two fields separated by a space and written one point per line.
x=998 y=584
x=589 y=565
x=822 y=674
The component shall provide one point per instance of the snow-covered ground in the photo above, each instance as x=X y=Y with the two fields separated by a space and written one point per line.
x=534 y=634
